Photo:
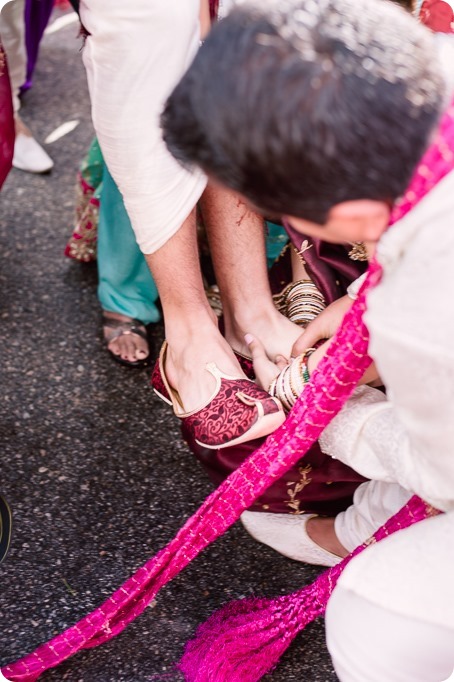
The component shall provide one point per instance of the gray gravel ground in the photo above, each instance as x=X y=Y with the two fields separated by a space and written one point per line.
x=92 y=462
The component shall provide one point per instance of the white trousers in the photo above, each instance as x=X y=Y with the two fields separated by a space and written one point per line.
x=391 y=615
x=12 y=32
x=136 y=53
x=374 y=503
x=371 y=644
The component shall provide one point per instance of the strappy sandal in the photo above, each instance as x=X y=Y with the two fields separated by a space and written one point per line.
x=123 y=328
x=5 y=528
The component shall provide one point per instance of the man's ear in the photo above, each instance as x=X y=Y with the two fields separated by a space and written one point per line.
x=367 y=218
x=298 y=224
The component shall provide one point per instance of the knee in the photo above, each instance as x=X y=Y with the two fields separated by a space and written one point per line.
x=341 y=626
x=370 y=642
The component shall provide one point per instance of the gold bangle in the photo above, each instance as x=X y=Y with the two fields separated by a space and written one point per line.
x=272 y=387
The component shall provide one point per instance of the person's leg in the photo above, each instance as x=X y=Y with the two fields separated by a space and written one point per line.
x=374 y=502
x=126 y=289
x=28 y=154
x=160 y=197
x=190 y=325
x=373 y=644
x=12 y=29
x=237 y=242
x=320 y=540
x=37 y=15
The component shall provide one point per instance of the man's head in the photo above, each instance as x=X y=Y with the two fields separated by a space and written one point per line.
x=305 y=106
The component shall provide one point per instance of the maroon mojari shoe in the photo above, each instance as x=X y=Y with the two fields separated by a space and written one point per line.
x=237 y=411
x=160 y=389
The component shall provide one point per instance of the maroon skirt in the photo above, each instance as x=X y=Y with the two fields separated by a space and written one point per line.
x=318 y=484
x=7 y=134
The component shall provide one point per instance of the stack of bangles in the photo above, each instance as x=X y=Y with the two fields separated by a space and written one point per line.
x=289 y=384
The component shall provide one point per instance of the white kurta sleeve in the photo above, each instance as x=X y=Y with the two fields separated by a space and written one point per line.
x=408 y=437
x=369 y=436
x=135 y=54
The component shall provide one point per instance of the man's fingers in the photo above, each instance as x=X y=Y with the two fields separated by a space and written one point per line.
x=311 y=335
x=265 y=369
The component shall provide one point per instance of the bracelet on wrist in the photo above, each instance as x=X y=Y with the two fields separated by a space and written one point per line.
x=290 y=382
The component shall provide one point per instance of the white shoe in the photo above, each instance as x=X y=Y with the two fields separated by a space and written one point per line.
x=286 y=533
x=30 y=156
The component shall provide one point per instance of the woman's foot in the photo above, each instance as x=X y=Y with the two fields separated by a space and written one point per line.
x=125 y=339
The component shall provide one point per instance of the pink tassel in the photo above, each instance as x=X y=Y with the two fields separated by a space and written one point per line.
x=245 y=639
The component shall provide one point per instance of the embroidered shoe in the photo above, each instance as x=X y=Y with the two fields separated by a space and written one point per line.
x=237 y=411
x=157 y=381
x=161 y=391
x=286 y=533
x=246 y=364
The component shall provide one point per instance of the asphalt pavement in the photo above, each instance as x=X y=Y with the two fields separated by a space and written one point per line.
x=92 y=462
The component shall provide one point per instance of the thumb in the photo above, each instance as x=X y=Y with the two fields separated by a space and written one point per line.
x=256 y=347
x=308 y=339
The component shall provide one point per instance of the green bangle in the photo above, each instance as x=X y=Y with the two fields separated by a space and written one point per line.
x=304 y=364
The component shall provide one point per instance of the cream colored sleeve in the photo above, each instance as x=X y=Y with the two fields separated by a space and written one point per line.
x=369 y=436
x=408 y=437
x=135 y=54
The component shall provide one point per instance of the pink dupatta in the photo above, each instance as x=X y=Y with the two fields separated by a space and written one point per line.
x=329 y=388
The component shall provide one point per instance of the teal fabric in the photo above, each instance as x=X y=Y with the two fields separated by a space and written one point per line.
x=276 y=239
x=125 y=282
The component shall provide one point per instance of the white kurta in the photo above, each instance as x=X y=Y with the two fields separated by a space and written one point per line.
x=408 y=436
x=136 y=53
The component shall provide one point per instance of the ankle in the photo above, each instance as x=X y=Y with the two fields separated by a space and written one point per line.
x=111 y=315
x=181 y=334
x=20 y=127
x=322 y=532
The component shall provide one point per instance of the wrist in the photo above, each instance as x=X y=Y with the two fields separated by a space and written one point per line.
x=290 y=382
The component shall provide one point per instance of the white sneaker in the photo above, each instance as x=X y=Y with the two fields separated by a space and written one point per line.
x=30 y=156
x=286 y=533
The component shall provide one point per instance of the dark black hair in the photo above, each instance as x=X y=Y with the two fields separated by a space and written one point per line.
x=302 y=104
x=408 y=4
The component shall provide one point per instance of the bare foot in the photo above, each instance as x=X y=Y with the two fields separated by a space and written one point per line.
x=186 y=360
x=127 y=345
x=273 y=329
x=321 y=531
